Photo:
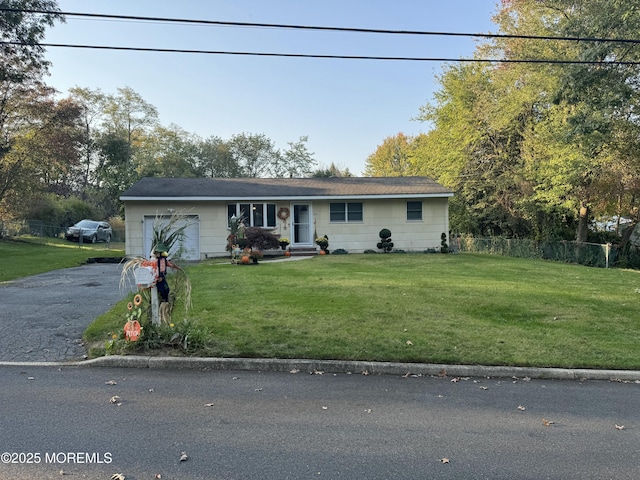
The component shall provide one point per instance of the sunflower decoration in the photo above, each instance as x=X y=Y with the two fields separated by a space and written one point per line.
x=134 y=308
x=133 y=329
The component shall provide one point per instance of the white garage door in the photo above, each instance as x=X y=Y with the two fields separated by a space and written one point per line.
x=187 y=249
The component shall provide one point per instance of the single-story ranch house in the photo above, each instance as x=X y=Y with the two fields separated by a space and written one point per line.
x=351 y=211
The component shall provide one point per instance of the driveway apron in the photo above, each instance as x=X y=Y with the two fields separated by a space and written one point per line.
x=43 y=317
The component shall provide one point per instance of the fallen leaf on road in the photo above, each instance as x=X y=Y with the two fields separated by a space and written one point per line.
x=183 y=456
x=117 y=476
x=295 y=370
x=484 y=388
x=520 y=407
x=547 y=423
x=111 y=382
x=115 y=399
x=208 y=404
x=444 y=460
x=620 y=427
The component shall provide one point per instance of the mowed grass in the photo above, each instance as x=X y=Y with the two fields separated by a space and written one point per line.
x=26 y=256
x=462 y=309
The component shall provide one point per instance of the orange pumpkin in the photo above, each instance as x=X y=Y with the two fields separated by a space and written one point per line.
x=287 y=253
x=245 y=259
x=132 y=330
x=322 y=252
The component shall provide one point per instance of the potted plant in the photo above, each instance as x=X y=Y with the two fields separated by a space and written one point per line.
x=284 y=242
x=256 y=255
x=323 y=243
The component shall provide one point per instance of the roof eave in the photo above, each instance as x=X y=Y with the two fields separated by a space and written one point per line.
x=130 y=198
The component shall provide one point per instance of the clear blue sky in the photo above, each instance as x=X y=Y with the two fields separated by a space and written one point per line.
x=346 y=107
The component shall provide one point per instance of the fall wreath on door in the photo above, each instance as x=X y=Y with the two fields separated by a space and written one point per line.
x=283 y=214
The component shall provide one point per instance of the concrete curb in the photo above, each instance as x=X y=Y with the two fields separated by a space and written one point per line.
x=340 y=366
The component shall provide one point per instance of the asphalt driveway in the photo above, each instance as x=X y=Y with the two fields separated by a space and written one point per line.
x=42 y=317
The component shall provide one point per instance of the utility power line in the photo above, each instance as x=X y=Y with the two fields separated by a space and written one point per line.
x=325 y=28
x=327 y=56
x=319 y=28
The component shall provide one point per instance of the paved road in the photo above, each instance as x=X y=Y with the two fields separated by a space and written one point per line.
x=43 y=316
x=279 y=426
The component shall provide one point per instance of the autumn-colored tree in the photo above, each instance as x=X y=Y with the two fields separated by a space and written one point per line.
x=22 y=67
x=167 y=152
x=391 y=159
x=529 y=147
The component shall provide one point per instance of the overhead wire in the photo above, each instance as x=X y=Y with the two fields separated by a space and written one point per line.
x=327 y=28
x=328 y=56
x=323 y=28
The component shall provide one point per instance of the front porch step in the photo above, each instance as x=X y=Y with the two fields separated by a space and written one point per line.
x=302 y=251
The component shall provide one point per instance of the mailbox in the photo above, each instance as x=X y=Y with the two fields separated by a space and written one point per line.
x=145 y=276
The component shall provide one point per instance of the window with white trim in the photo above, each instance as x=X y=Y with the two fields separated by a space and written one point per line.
x=345 y=212
x=254 y=214
x=414 y=211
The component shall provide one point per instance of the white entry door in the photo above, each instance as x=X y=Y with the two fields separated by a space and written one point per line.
x=301 y=224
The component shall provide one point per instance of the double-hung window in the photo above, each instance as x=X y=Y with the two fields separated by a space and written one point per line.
x=345 y=212
x=254 y=214
x=414 y=211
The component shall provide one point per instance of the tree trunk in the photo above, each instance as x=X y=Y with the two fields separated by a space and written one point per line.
x=583 y=224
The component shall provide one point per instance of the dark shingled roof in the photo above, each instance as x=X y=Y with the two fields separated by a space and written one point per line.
x=283 y=188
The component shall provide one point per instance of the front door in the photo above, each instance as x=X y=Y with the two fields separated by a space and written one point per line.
x=301 y=226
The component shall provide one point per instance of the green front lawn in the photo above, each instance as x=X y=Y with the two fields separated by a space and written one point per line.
x=26 y=256
x=467 y=309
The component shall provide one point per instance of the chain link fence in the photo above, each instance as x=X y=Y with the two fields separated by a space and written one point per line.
x=38 y=228
x=34 y=228
x=590 y=254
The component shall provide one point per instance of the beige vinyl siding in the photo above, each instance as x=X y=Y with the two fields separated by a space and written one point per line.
x=355 y=237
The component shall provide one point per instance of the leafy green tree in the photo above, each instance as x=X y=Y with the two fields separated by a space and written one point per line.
x=255 y=154
x=22 y=67
x=332 y=171
x=127 y=120
x=392 y=158
x=115 y=173
x=22 y=57
x=529 y=148
x=167 y=152
x=92 y=104
x=296 y=161
x=216 y=159
x=128 y=115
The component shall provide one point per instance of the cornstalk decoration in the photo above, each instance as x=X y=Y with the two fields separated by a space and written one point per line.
x=169 y=232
